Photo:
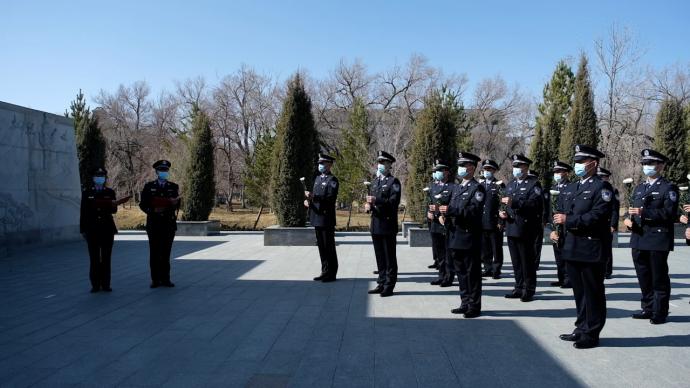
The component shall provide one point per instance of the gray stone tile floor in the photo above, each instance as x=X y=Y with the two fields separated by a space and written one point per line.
x=244 y=315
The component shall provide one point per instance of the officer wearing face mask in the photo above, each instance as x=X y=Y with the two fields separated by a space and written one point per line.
x=492 y=226
x=655 y=209
x=160 y=200
x=585 y=214
x=605 y=175
x=98 y=204
x=465 y=235
x=561 y=182
x=383 y=202
x=439 y=193
x=523 y=218
x=321 y=203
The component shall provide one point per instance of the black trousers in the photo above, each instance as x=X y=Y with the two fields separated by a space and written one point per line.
x=609 y=258
x=522 y=256
x=386 y=259
x=160 y=245
x=440 y=252
x=468 y=266
x=492 y=251
x=100 y=249
x=325 y=239
x=538 y=243
x=561 y=271
x=652 y=274
x=590 y=297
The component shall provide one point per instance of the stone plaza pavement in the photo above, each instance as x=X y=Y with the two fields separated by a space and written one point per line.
x=247 y=315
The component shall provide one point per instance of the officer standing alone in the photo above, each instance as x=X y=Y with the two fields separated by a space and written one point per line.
x=586 y=217
x=321 y=203
x=160 y=200
x=383 y=203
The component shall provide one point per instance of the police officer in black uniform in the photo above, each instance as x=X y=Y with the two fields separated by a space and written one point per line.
x=321 y=203
x=160 y=200
x=605 y=175
x=539 y=241
x=655 y=209
x=523 y=217
x=586 y=217
x=439 y=194
x=383 y=203
x=561 y=182
x=98 y=204
x=465 y=235
x=492 y=226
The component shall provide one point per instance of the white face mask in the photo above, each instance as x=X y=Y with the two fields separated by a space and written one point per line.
x=438 y=175
x=557 y=178
x=517 y=172
x=649 y=170
x=487 y=174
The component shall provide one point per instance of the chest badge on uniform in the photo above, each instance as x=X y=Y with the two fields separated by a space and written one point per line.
x=537 y=190
x=479 y=196
x=672 y=196
x=606 y=195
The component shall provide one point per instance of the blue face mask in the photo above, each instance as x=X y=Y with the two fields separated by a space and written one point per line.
x=580 y=169
x=517 y=172
x=557 y=178
x=381 y=168
x=322 y=168
x=462 y=172
x=99 y=180
x=163 y=175
x=487 y=174
x=649 y=170
x=438 y=175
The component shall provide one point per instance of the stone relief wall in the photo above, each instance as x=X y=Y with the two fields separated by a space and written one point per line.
x=39 y=178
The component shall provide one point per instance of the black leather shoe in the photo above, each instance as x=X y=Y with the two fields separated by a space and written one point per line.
x=168 y=284
x=471 y=314
x=107 y=289
x=433 y=266
x=320 y=277
x=513 y=295
x=386 y=292
x=527 y=298
x=556 y=284
x=570 y=337
x=642 y=315
x=586 y=343
x=657 y=320
x=460 y=310
x=608 y=277
x=328 y=279
x=376 y=290
x=487 y=274
x=566 y=285
x=447 y=283
x=497 y=276
x=94 y=290
x=376 y=272
x=436 y=282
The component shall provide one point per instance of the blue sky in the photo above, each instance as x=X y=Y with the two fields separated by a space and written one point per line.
x=50 y=49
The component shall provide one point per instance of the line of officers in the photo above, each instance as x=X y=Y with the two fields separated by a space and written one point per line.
x=468 y=217
x=160 y=200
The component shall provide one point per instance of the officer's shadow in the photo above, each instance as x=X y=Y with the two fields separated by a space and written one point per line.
x=641 y=342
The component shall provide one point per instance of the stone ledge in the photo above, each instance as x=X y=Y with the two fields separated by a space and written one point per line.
x=289 y=236
x=406 y=225
x=419 y=237
x=198 y=228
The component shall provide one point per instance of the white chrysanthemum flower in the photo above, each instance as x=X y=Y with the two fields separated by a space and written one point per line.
x=554 y=192
x=627 y=181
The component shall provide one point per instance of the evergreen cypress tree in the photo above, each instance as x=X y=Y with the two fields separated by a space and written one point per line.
x=351 y=167
x=581 y=127
x=551 y=120
x=258 y=172
x=435 y=136
x=670 y=138
x=91 y=146
x=295 y=155
x=200 y=186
